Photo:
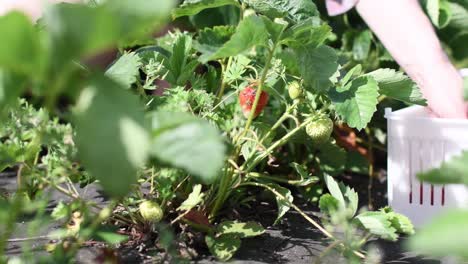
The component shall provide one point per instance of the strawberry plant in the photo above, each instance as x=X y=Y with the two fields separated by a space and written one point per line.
x=189 y=123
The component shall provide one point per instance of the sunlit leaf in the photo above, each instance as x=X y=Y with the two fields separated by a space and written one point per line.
x=317 y=65
x=398 y=86
x=224 y=246
x=125 y=69
x=192 y=7
x=194 y=199
x=377 y=223
x=187 y=142
x=241 y=230
x=357 y=101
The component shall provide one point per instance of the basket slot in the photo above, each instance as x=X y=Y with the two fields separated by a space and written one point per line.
x=432 y=156
x=416 y=194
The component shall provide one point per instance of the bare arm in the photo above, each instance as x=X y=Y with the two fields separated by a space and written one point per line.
x=408 y=35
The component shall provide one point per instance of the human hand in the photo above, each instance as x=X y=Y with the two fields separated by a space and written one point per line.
x=444 y=93
x=409 y=36
x=32 y=8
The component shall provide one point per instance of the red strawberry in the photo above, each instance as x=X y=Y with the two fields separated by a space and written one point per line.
x=247 y=98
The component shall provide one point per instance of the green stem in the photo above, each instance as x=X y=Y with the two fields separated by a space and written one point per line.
x=223 y=83
x=222 y=191
x=277 y=144
x=371 y=168
x=277 y=179
x=278 y=123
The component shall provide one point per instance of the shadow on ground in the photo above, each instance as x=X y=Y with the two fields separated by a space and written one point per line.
x=293 y=240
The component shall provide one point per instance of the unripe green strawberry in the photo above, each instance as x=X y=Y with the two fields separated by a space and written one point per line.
x=151 y=211
x=320 y=130
x=294 y=90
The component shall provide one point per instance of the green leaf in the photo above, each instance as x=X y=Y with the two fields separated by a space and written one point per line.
x=138 y=18
x=400 y=222
x=194 y=199
x=306 y=33
x=12 y=85
x=60 y=211
x=180 y=65
x=79 y=30
x=352 y=198
x=193 y=7
x=110 y=134
x=210 y=40
x=357 y=101
x=377 y=223
x=361 y=45
x=459 y=18
x=189 y=143
x=453 y=171
x=328 y=204
x=284 y=201
x=458 y=45
x=332 y=158
x=346 y=196
x=282 y=195
x=239 y=229
x=357 y=163
x=20 y=47
x=445 y=14
x=237 y=68
x=317 y=65
x=354 y=72
x=438 y=11
x=125 y=69
x=446 y=235
x=224 y=246
x=335 y=190
x=250 y=32
x=109 y=235
x=398 y=86
x=305 y=178
x=292 y=10
x=219 y=16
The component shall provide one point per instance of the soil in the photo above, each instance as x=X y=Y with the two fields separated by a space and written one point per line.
x=293 y=240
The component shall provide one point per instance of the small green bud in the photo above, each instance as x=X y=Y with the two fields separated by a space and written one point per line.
x=295 y=90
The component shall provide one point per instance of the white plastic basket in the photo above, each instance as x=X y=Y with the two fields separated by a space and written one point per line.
x=417 y=142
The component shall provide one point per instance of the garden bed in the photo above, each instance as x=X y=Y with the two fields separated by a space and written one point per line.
x=293 y=240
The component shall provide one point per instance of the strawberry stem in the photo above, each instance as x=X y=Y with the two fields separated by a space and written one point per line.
x=223 y=82
x=226 y=180
x=278 y=143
